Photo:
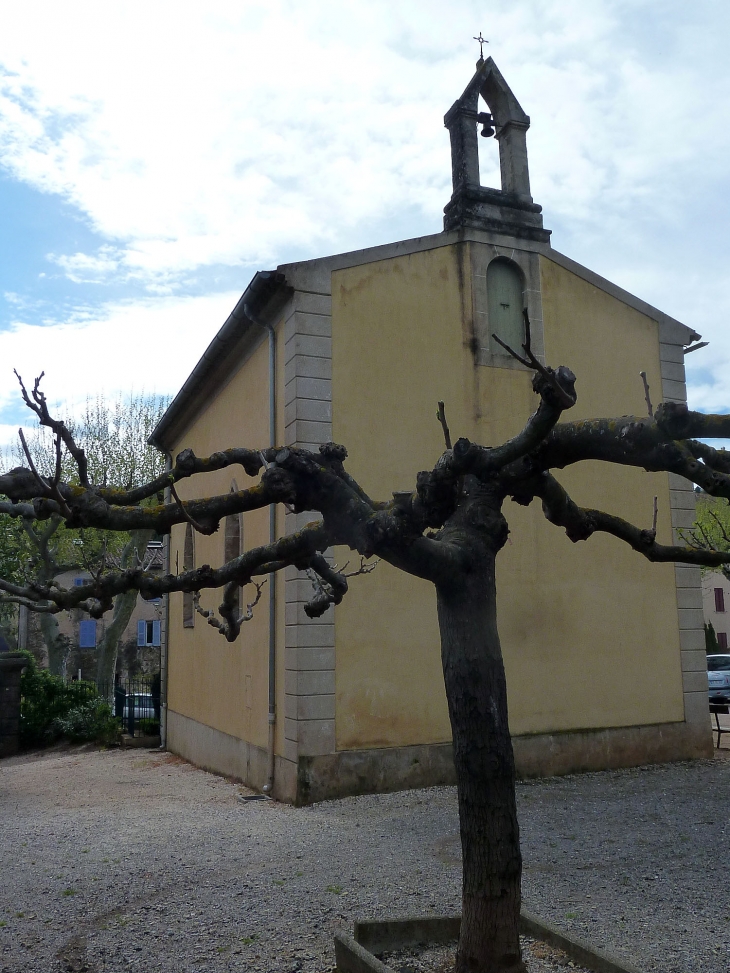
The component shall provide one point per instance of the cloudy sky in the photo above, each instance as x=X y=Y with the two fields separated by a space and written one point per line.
x=154 y=154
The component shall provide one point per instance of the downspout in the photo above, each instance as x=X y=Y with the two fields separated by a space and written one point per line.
x=165 y=640
x=269 y=785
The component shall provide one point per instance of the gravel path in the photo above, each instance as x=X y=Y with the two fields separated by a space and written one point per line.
x=134 y=860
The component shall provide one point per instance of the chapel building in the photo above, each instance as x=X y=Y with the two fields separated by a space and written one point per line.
x=604 y=652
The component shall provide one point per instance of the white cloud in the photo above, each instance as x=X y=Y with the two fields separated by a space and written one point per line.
x=83 y=268
x=245 y=133
x=152 y=346
x=249 y=128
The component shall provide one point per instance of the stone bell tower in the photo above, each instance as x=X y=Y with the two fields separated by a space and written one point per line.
x=508 y=210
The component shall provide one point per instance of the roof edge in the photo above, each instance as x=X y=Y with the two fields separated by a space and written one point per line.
x=267 y=288
x=679 y=330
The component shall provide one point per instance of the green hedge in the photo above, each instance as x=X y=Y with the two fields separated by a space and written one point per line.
x=51 y=708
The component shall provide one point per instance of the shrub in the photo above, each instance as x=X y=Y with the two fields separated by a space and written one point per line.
x=46 y=705
x=149 y=728
x=93 y=720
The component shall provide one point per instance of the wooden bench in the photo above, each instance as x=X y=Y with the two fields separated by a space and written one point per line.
x=717 y=709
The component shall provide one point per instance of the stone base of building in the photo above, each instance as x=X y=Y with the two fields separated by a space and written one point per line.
x=224 y=754
x=351 y=772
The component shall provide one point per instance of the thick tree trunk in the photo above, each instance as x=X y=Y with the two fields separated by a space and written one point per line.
x=477 y=697
x=57 y=645
x=108 y=648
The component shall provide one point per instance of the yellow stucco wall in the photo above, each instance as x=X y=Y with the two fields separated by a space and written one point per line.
x=589 y=631
x=220 y=684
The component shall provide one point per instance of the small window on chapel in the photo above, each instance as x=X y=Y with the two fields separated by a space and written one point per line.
x=504 y=305
x=188 y=565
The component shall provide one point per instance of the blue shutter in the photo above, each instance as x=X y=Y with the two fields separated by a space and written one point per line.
x=87 y=634
x=141 y=633
x=155 y=633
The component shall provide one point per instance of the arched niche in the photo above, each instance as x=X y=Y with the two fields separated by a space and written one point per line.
x=505 y=304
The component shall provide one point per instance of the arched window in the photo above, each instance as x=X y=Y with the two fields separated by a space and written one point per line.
x=188 y=565
x=505 y=302
x=233 y=539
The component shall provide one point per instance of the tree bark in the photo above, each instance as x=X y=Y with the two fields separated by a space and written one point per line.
x=108 y=648
x=57 y=645
x=477 y=696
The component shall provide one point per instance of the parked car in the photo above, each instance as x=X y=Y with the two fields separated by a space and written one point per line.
x=718 y=677
x=143 y=705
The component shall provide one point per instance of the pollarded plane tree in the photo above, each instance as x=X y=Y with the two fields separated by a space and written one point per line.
x=448 y=530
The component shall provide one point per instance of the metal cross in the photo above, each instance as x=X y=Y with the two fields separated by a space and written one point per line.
x=482 y=42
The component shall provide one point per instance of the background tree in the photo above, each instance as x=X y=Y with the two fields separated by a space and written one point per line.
x=711 y=644
x=114 y=438
x=448 y=530
x=712 y=527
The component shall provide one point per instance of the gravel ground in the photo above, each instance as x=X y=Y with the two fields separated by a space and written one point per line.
x=134 y=860
x=440 y=959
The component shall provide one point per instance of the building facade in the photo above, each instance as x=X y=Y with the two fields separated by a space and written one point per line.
x=604 y=652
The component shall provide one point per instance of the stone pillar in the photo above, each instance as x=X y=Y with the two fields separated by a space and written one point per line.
x=512 y=138
x=461 y=122
x=11 y=667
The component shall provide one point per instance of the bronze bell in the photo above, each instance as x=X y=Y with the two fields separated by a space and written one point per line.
x=487 y=122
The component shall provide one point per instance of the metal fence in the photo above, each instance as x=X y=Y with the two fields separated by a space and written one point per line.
x=136 y=702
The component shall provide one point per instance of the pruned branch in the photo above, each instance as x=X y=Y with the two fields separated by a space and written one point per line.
x=441 y=416
x=330 y=584
x=229 y=624
x=37 y=403
x=96 y=596
x=193 y=523
x=564 y=392
x=646 y=394
x=580 y=523
x=716 y=459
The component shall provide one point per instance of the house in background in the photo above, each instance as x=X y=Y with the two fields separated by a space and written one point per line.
x=139 y=646
x=716 y=605
x=604 y=652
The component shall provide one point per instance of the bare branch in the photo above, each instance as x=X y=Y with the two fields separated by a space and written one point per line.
x=39 y=405
x=581 y=522
x=721 y=526
x=654 y=444
x=47 y=489
x=363 y=569
x=41 y=482
x=97 y=595
x=329 y=582
x=330 y=586
x=565 y=395
x=646 y=394
x=716 y=459
x=186 y=515
x=229 y=624
x=441 y=416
